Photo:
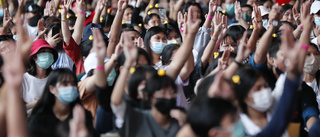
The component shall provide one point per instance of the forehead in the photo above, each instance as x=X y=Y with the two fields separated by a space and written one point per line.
x=133 y=33
x=312 y=49
x=246 y=9
x=228 y=39
x=160 y=34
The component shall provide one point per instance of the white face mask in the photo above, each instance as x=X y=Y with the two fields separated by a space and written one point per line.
x=262 y=100
x=311 y=65
x=265 y=23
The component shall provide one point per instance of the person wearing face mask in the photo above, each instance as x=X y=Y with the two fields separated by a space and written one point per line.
x=174 y=36
x=255 y=100
x=55 y=106
x=33 y=15
x=155 y=40
x=311 y=67
x=42 y=56
x=315 y=12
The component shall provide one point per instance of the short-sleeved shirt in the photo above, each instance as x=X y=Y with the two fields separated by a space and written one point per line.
x=32 y=87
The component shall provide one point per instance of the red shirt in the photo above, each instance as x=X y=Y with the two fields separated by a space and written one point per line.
x=73 y=51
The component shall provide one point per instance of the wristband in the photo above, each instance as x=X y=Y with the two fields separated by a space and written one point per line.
x=181 y=30
x=304 y=47
x=81 y=12
x=300 y=26
x=217 y=43
x=210 y=17
x=100 y=67
x=63 y=20
x=238 y=63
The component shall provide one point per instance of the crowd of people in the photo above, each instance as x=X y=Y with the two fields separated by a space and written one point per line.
x=159 y=68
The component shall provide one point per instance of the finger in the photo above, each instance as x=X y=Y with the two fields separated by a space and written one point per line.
x=225 y=54
x=56 y=36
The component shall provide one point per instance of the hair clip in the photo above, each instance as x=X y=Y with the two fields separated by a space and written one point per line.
x=236 y=79
x=274 y=35
x=76 y=15
x=123 y=22
x=282 y=4
x=108 y=11
x=224 y=11
x=149 y=12
x=165 y=22
x=140 y=25
x=59 y=10
x=151 y=6
x=101 y=19
x=132 y=70
x=60 y=6
x=68 y=16
x=161 y=72
x=216 y=54
x=90 y=37
x=251 y=26
x=157 y=5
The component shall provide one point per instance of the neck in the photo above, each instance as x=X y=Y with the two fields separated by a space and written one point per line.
x=41 y=73
x=162 y=120
x=259 y=118
x=275 y=72
x=60 y=110
x=155 y=58
x=308 y=78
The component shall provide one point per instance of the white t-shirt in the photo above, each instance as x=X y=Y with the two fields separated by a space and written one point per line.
x=315 y=88
x=32 y=87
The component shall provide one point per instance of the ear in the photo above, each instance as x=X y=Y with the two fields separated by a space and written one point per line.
x=212 y=132
x=45 y=36
x=83 y=58
x=52 y=89
x=270 y=60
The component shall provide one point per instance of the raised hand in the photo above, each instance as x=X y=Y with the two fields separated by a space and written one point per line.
x=65 y=8
x=100 y=5
x=81 y=5
x=306 y=18
x=77 y=123
x=54 y=40
x=141 y=44
x=237 y=11
x=223 y=61
x=46 y=11
x=6 y=21
x=130 y=51
x=122 y=5
x=52 y=9
x=24 y=42
x=296 y=15
x=257 y=21
x=180 y=20
x=212 y=6
x=243 y=50
x=99 y=44
x=274 y=15
x=193 y=22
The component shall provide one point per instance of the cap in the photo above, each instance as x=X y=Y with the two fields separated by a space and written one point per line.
x=87 y=32
x=315 y=7
x=264 y=11
x=41 y=43
x=32 y=8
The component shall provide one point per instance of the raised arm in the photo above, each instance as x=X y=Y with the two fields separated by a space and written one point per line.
x=99 y=7
x=64 y=23
x=6 y=23
x=131 y=53
x=180 y=58
x=212 y=9
x=78 y=26
x=116 y=27
x=260 y=56
x=257 y=26
x=238 y=15
x=176 y=9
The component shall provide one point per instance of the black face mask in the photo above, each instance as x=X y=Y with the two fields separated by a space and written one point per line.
x=165 y=105
x=34 y=20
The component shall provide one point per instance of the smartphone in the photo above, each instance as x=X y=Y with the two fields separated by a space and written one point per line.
x=55 y=30
x=162 y=14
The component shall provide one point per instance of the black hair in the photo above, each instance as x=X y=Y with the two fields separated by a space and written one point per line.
x=248 y=77
x=246 y=5
x=286 y=7
x=85 y=47
x=204 y=85
x=136 y=78
x=274 y=48
x=47 y=100
x=167 y=53
x=107 y=20
x=149 y=17
x=130 y=7
x=171 y=26
x=207 y=113
x=235 y=32
x=315 y=46
x=122 y=58
x=193 y=3
x=72 y=20
x=249 y=32
x=281 y=24
x=32 y=68
x=152 y=31
x=49 y=20
x=156 y=82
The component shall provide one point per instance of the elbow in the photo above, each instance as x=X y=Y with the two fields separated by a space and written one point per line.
x=116 y=102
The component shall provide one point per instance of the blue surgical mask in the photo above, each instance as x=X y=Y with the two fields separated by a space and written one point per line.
x=1 y=13
x=265 y=23
x=15 y=37
x=45 y=60
x=111 y=77
x=246 y=17
x=317 y=21
x=127 y=22
x=68 y=94
x=157 y=47
x=230 y=9
x=175 y=41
